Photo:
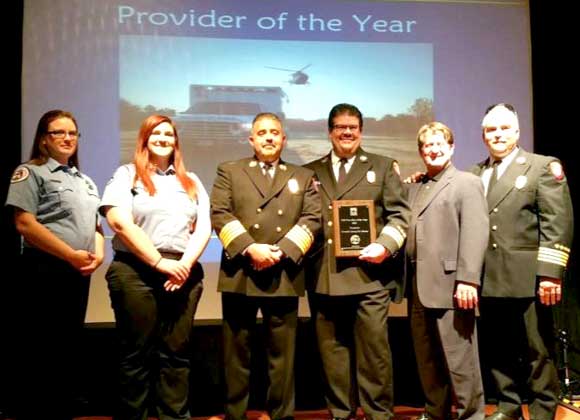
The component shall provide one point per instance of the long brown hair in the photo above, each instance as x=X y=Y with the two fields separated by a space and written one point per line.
x=39 y=154
x=141 y=159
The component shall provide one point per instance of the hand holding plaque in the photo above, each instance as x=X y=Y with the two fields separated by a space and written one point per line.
x=354 y=226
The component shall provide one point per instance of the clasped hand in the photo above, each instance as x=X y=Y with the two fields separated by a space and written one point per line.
x=264 y=255
x=177 y=273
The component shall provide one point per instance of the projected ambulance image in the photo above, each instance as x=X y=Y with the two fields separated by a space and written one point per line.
x=213 y=103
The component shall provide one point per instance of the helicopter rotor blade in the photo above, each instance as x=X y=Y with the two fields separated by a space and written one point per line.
x=278 y=68
x=305 y=67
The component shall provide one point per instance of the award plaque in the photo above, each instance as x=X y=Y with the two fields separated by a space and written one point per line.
x=354 y=226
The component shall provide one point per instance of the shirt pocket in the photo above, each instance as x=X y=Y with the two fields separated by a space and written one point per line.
x=52 y=203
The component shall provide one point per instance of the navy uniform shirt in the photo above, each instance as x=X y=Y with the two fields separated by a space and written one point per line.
x=61 y=198
x=166 y=217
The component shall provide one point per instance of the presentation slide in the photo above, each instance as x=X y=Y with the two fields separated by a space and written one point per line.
x=213 y=65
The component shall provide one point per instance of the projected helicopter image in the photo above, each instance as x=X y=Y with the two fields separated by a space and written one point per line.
x=298 y=77
x=213 y=103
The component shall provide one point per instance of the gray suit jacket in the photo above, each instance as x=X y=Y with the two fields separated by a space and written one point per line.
x=451 y=231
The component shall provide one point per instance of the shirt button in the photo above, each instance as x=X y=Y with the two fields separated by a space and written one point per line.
x=257 y=226
x=495 y=210
x=329 y=241
x=329 y=223
x=280 y=212
x=278 y=229
x=494 y=246
x=494 y=227
x=258 y=210
x=330 y=207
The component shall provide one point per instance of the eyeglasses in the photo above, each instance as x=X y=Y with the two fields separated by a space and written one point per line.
x=341 y=127
x=61 y=134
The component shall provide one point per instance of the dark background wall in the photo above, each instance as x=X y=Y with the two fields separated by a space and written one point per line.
x=554 y=80
x=555 y=134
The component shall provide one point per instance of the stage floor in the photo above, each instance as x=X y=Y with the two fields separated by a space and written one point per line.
x=401 y=413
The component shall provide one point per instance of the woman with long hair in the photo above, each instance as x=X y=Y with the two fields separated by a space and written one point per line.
x=160 y=215
x=55 y=211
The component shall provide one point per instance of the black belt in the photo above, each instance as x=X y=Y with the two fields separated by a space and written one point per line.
x=124 y=256
x=171 y=255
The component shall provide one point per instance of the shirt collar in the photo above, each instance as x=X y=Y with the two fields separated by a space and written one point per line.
x=335 y=159
x=54 y=166
x=508 y=159
x=272 y=164
x=426 y=178
x=169 y=171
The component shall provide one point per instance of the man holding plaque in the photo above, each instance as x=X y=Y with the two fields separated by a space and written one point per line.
x=266 y=213
x=447 y=240
x=350 y=292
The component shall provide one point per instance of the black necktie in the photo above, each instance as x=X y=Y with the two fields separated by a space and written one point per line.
x=342 y=171
x=493 y=177
x=267 y=174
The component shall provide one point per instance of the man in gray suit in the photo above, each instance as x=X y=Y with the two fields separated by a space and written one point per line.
x=446 y=243
x=266 y=213
x=351 y=295
x=531 y=228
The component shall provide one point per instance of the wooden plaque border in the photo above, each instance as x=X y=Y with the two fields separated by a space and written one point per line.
x=336 y=205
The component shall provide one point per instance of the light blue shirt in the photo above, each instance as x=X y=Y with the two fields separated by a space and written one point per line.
x=61 y=198
x=167 y=217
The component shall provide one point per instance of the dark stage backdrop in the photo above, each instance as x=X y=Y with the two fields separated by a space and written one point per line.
x=555 y=135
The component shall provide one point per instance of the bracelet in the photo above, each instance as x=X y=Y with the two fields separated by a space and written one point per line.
x=158 y=261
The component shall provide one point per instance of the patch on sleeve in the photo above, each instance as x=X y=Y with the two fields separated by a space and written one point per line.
x=315 y=184
x=396 y=168
x=557 y=170
x=20 y=174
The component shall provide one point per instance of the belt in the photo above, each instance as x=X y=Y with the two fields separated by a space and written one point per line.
x=124 y=255
x=171 y=255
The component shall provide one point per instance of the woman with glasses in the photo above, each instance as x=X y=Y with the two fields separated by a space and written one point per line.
x=160 y=215
x=55 y=211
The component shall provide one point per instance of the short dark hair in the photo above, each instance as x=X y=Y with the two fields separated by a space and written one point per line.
x=341 y=109
x=269 y=115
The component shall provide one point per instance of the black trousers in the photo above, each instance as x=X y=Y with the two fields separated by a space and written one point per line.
x=154 y=328
x=50 y=305
x=356 y=356
x=280 y=318
x=514 y=330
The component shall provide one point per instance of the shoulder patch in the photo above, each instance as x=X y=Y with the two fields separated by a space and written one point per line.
x=557 y=170
x=20 y=174
x=315 y=184
x=396 y=168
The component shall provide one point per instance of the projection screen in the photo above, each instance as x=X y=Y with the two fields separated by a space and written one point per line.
x=212 y=65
